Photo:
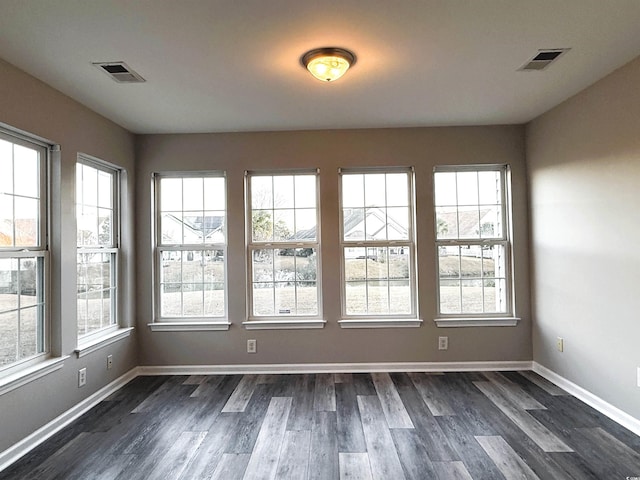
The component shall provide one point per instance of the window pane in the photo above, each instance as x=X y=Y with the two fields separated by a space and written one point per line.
x=262 y=225
x=214 y=193
x=9 y=335
x=262 y=265
x=377 y=266
x=467 y=187
x=306 y=226
x=353 y=224
x=193 y=194
x=378 y=297
x=374 y=190
x=445 y=188
x=356 y=298
x=283 y=191
x=89 y=186
x=283 y=224
x=8 y=284
x=306 y=264
x=214 y=300
x=400 y=297
x=490 y=221
x=468 y=222
x=171 y=300
x=192 y=267
x=28 y=282
x=307 y=296
x=6 y=220
x=26 y=221
x=105 y=189
x=25 y=169
x=263 y=299
x=472 y=301
x=398 y=223
x=261 y=192
x=171 y=194
x=105 y=227
x=375 y=224
x=171 y=224
x=495 y=296
x=352 y=191
x=490 y=188
x=192 y=300
x=305 y=186
x=355 y=266
x=397 y=190
x=450 y=299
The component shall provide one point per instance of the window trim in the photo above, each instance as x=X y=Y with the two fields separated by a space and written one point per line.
x=411 y=319
x=499 y=319
x=24 y=370
x=191 y=323
x=281 y=322
x=102 y=335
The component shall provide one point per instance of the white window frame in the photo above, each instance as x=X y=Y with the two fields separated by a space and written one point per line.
x=113 y=250
x=13 y=374
x=506 y=318
x=269 y=322
x=373 y=320
x=185 y=323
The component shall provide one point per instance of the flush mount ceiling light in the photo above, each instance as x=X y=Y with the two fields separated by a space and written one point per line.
x=328 y=64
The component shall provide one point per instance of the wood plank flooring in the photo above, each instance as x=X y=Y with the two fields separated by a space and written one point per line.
x=379 y=426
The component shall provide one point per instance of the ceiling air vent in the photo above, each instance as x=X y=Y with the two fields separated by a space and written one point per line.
x=543 y=59
x=120 y=72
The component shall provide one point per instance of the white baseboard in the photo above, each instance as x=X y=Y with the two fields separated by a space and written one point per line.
x=333 y=368
x=27 y=444
x=614 y=413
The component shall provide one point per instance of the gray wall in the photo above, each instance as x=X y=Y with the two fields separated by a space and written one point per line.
x=32 y=106
x=329 y=150
x=584 y=171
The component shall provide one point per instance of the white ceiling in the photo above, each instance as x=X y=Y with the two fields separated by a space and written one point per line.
x=233 y=65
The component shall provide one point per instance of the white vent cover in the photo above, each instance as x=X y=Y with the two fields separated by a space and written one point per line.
x=543 y=59
x=120 y=72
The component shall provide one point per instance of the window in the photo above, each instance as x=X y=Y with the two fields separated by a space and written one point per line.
x=472 y=239
x=23 y=252
x=191 y=247
x=377 y=243
x=98 y=242
x=283 y=245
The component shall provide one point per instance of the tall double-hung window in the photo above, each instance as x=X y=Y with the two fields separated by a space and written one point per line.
x=97 y=227
x=283 y=245
x=473 y=241
x=191 y=248
x=24 y=335
x=378 y=244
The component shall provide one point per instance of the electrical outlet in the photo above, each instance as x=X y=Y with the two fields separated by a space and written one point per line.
x=443 y=343
x=82 y=377
x=109 y=362
x=560 y=344
x=252 y=346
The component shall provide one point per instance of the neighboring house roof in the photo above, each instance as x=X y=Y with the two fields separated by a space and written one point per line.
x=469 y=221
x=354 y=225
x=199 y=226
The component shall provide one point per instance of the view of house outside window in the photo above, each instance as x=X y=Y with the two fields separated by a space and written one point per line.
x=472 y=241
x=191 y=239
x=377 y=243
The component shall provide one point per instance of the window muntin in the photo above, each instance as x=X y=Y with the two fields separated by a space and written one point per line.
x=23 y=254
x=377 y=242
x=472 y=241
x=97 y=217
x=191 y=239
x=283 y=245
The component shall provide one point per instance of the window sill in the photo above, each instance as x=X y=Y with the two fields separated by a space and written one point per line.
x=477 y=322
x=94 y=344
x=29 y=374
x=292 y=324
x=381 y=323
x=188 y=326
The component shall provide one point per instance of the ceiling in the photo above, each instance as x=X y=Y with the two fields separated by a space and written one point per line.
x=233 y=65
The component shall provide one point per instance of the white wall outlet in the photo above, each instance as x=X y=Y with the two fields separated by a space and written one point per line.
x=82 y=377
x=443 y=343
x=252 y=346
x=560 y=344
x=109 y=362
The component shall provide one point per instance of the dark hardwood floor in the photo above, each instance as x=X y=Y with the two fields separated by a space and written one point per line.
x=388 y=426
